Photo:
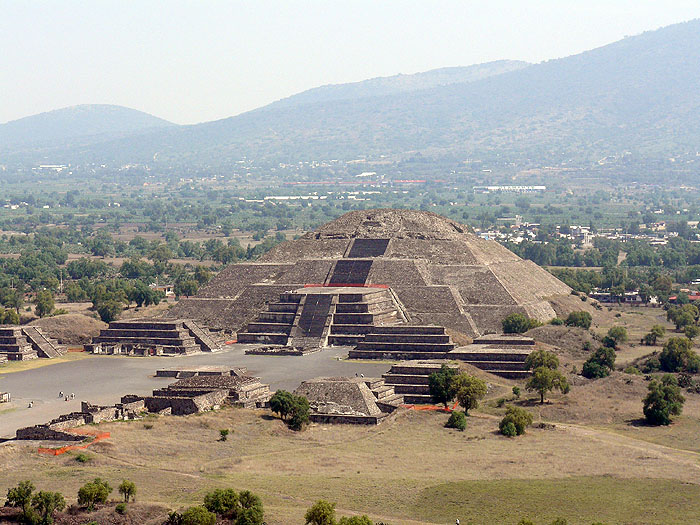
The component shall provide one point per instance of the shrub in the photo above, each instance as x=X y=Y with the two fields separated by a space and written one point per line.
x=21 y=496
x=83 y=458
x=587 y=346
x=223 y=434
x=45 y=504
x=120 y=508
x=198 y=516
x=93 y=492
x=663 y=401
x=299 y=417
x=518 y=417
x=678 y=356
x=516 y=392
x=440 y=385
x=609 y=342
x=599 y=364
x=518 y=323
x=691 y=331
x=321 y=513
x=557 y=321
x=355 y=520
x=632 y=370
x=281 y=403
x=127 y=489
x=652 y=365
x=457 y=420
x=469 y=390
x=251 y=509
x=223 y=502
x=580 y=319
x=618 y=334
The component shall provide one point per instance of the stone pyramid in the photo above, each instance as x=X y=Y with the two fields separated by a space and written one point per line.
x=438 y=270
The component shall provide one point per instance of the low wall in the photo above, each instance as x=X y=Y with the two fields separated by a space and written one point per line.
x=45 y=432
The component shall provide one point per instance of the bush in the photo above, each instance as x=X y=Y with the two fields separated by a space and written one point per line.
x=587 y=346
x=301 y=412
x=517 y=419
x=599 y=364
x=691 y=331
x=198 y=516
x=94 y=492
x=321 y=513
x=223 y=434
x=120 y=508
x=457 y=420
x=618 y=334
x=580 y=319
x=127 y=489
x=516 y=392
x=633 y=370
x=518 y=323
x=652 y=365
x=83 y=458
x=281 y=403
x=663 y=401
x=223 y=502
x=678 y=356
x=45 y=504
x=21 y=496
x=557 y=321
x=355 y=520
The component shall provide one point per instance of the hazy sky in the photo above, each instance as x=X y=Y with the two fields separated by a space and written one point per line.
x=202 y=60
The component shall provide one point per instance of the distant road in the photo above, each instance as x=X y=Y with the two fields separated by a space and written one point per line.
x=104 y=379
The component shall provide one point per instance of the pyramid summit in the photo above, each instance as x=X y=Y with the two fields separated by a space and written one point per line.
x=399 y=266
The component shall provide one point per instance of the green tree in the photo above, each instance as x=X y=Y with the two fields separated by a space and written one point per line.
x=516 y=419
x=21 y=496
x=618 y=334
x=300 y=415
x=282 y=403
x=600 y=364
x=187 y=287
x=93 y=492
x=678 y=356
x=223 y=502
x=127 y=489
x=198 y=516
x=46 y=503
x=663 y=400
x=355 y=520
x=469 y=390
x=657 y=331
x=579 y=318
x=440 y=385
x=202 y=275
x=321 y=513
x=545 y=380
x=691 y=331
x=518 y=323
x=540 y=358
x=251 y=509
x=44 y=303
x=109 y=310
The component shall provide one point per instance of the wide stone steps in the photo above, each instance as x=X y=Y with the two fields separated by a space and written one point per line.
x=405 y=379
x=410 y=379
x=44 y=346
x=201 y=337
x=351 y=329
x=407 y=338
x=364 y=318
x=395 y=356
x=499 y=365
x=412 y=389
x=344 y=340
x=491 y=356
x=277 y=317
x=263 y=338
x=160 y=341
x=410 y=329
x=269 y=328
x=400 y=346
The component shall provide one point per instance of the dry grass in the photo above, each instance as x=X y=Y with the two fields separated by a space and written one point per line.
x=408 y=470
x=20 y=366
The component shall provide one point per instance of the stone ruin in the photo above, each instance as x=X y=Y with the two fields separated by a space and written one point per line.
x=59 y=429
x=426 y=269
x=5 y=397
x=27 y=342
x=349 y=400
x=153 y=337
x=199 y=390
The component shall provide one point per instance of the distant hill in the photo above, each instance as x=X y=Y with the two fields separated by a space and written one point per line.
x=86 y=123
x=640 y=94
x=381 y=86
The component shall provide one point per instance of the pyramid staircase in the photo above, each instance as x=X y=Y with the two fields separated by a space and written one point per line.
x=274 y=325
x=357 y=314
x=201 y=336
x=403 y=342
x=44 y=346
x=500 y=355
x=14 y=344
x=410 y=379
x=151 y=337
x=387 y=398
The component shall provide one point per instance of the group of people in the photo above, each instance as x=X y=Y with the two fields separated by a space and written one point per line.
x=61 y=394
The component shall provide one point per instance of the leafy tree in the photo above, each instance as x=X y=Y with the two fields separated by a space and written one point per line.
x=186 y=288
x=223 y=502
x=691 y=331
x=9 y=316
x=300 y=415
x=202 y=274
x=682 y=316
x=198 y=516
x=657 y=331
x=518 y=323
x=21 y=496
x=516 y=419
x=251 y=511
x=44 y=303
x=321 y=513
x=109 y=310
x=469 y=390
x=127 y=489
x=540 y=358
x=282 y=403
x=516 y=392
x=579 y=318
x=441 y=386
x=545 y=380
x=93 y=492
x=663 y=400
x=46 y=503
x=600 y=364
x=678 y=356
x=618 y=334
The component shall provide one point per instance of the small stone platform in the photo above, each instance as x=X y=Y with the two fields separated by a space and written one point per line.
x=501 y=355
x=410 y=379
x=153 y=337
x=403 y=342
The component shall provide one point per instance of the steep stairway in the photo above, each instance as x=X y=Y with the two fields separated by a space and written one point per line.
x=274 y=325
x=14 y=345
x=357 y=314
x=44 y=346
